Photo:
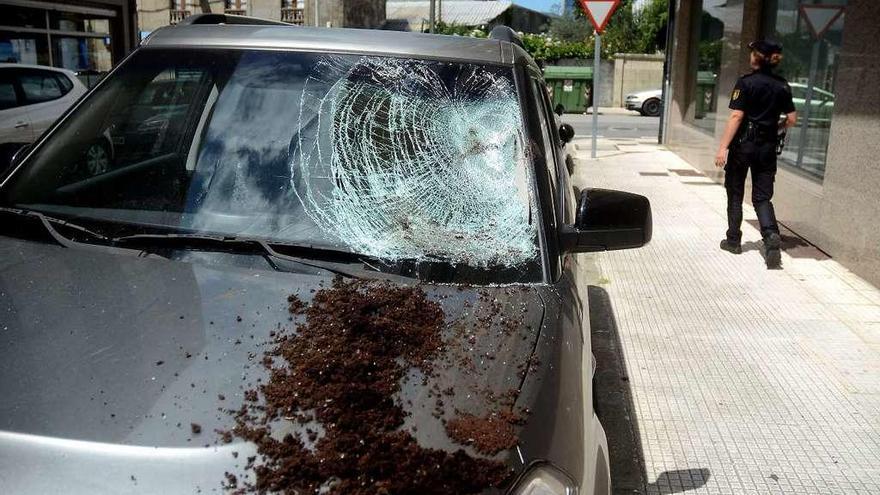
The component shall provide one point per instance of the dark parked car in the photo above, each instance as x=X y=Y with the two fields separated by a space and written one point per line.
x=345 y=262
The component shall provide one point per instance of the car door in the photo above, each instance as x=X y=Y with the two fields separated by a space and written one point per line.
x=15 y=122
x=43 y=92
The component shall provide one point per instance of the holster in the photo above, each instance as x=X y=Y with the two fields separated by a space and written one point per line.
x=752 y=132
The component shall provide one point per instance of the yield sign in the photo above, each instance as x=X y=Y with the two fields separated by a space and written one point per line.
x=599 y=12
x=821 y=17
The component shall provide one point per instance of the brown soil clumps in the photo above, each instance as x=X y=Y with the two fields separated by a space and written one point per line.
x=295 y=305
x=488 y=435
x=342 y=369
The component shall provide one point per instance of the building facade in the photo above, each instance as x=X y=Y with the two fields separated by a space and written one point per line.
x=83 y=36
x=153 y=14
x=414 y=15
x=828 y=180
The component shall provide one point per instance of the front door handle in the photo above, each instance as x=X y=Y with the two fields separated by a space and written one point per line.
x=21 y=125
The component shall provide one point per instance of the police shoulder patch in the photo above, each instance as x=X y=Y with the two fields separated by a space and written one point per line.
x=735 y=94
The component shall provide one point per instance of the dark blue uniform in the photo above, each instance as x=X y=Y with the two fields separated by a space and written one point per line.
x=763 y=97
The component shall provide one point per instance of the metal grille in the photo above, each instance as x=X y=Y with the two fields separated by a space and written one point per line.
x=178 y=15
x=292 y=16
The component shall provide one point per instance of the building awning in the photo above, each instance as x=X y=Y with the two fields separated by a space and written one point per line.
x=470 y=13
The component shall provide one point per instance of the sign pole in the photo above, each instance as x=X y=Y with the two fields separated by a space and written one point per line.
x=599 y=13
x=595 y=94
x=808 y=102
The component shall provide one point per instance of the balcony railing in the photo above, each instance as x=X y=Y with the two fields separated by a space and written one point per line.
x=292 y=16
x=235 y=11
x=178 y=15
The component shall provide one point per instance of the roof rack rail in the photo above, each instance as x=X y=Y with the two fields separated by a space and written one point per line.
x=228 y=19
x=504 y=33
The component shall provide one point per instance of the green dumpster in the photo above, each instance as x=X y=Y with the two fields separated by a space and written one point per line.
x=706 y=94
x=571 y=87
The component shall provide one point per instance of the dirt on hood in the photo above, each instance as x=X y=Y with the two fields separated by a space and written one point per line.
x=337 y=378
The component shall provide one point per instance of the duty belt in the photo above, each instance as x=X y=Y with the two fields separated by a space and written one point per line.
x=754 y=132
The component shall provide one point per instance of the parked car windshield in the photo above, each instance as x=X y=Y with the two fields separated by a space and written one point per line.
x=398 y=159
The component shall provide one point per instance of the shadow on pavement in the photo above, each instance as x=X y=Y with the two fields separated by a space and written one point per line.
x=678 y=481
x=794 y=245
x=613 y=402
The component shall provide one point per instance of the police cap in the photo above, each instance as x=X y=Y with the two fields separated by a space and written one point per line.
x=766 y=47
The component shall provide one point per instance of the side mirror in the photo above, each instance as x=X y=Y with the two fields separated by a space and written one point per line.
x=566 y=133
x=608 y=220
x=559 y=110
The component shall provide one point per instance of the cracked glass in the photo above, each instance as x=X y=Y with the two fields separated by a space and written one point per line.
x=396 y=159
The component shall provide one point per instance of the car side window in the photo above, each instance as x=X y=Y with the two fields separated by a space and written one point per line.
x=563 y=185
x=66 y=84
x=547 y=122
x=8 y=98
x=40 y=86
x=150 y=120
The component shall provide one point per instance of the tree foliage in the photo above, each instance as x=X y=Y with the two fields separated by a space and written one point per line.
x=571 y=35
x=457 y=30
x=573 y=27
x=652 y=21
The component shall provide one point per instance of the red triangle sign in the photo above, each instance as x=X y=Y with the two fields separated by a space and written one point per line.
x=599 y=12
x=820 y=17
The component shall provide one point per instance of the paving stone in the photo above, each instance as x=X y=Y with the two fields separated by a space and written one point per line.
x=743 y=380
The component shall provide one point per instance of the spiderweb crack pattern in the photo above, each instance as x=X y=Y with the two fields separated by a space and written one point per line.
x=416 y=159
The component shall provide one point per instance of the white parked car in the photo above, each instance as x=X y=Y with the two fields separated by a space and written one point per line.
x=31 y=98
x=646 y=102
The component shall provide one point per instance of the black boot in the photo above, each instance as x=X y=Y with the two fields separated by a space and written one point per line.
x=772 y=251
x=732 y=247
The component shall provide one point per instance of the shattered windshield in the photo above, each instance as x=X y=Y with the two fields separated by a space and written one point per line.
x=398 y=159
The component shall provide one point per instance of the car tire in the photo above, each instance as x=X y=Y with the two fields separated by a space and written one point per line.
x=97 y=158
x=651 y=108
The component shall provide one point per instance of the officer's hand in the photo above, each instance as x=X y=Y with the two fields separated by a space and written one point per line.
x=721 y=158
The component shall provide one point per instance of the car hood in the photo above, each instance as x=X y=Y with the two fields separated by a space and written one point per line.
x=107 y=360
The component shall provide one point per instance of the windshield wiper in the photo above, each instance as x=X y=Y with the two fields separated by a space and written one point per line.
x=146 y=242
x=233 y=244
x=47 y=221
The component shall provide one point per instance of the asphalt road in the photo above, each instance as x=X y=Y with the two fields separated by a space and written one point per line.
x=614 y=125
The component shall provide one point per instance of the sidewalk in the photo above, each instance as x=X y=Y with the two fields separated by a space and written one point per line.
x=742 y=380
x=607 y=147
x=610 y=111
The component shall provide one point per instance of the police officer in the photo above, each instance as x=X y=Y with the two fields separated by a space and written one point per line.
x=750 y=141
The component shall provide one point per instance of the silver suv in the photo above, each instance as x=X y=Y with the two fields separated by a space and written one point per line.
x=317 y=260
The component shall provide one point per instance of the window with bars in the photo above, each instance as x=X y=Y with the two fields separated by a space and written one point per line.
x=179 y=10
x=292 y=11
x=235 y=7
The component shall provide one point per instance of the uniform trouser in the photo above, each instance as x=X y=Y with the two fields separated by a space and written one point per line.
x=760 y=158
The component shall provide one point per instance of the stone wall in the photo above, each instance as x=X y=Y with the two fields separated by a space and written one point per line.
x=345 y=13
x=849 y=220
x=153 y=14
x=265 y=9
x=364 y=13
x=634 y=72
